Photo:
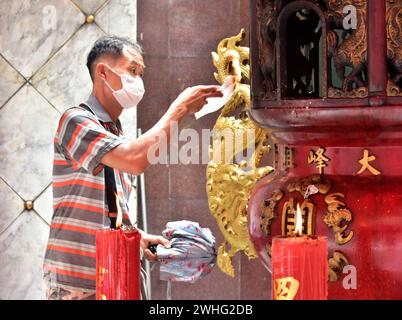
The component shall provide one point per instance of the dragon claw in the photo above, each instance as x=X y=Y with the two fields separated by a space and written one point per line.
x=225 y=261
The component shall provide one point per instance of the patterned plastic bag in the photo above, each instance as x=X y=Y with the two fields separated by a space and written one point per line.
x=192 y=253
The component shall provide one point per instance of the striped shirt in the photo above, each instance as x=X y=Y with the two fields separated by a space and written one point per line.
x=79 y=202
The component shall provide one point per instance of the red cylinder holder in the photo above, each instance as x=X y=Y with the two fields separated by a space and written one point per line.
x=118 y=264
x=326 y=84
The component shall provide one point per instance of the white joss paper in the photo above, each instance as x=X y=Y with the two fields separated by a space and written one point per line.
x=214 y=104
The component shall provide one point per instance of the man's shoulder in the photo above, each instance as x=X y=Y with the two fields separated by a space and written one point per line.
x=77 y=110
x=73 y=117
x=77 y=113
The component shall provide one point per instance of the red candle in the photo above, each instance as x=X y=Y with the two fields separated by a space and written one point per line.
x=118 y=264
x=300 y=266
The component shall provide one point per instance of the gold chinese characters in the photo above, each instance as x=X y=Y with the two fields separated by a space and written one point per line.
x=366 y=165
x=286 y=288
x=319 y=159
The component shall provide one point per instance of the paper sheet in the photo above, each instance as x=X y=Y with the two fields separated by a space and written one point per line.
x=214 y=104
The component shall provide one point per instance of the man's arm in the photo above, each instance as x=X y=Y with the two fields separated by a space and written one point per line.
x=133 y=157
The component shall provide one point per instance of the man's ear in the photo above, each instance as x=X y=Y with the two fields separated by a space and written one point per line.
x=100 y=71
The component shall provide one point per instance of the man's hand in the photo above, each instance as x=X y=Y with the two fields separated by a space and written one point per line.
x=147 y=239
x=194 y=98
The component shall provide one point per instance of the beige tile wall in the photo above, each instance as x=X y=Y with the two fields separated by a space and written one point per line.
x=43 y=48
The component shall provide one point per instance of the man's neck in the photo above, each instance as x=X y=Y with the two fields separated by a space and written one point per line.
x=112 y=108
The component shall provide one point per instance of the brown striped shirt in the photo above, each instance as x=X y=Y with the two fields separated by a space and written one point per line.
x=79 y=203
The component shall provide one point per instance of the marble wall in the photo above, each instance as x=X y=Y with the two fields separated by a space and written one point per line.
x=43 y=48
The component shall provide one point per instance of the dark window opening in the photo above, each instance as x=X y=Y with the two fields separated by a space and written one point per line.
x=303 y=71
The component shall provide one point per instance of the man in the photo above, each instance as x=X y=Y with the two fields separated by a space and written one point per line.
x=94 y=166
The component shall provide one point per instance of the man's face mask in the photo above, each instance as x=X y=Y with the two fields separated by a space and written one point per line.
x=131 y=92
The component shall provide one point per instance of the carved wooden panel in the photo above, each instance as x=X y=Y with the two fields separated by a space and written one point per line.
x=309 y=49
x=394 y=47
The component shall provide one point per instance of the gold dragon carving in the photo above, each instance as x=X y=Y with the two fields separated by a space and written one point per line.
x=229 y=183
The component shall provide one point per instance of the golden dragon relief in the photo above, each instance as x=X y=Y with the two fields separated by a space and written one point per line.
x=229 y=182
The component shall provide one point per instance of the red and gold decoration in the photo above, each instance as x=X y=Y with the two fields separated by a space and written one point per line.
x=326 y=85
x=118 y=262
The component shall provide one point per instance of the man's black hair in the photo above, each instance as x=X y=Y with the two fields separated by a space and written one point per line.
x=110 y=45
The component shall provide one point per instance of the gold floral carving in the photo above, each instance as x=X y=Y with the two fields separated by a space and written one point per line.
x=393 y=89
x=361 y=92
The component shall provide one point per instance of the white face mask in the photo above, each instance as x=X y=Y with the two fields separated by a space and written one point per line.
x=131 y=92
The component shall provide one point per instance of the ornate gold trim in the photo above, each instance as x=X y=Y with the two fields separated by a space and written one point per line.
x=337 y=214
x=361 y=92
x=270 y=211
x=335 y=265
